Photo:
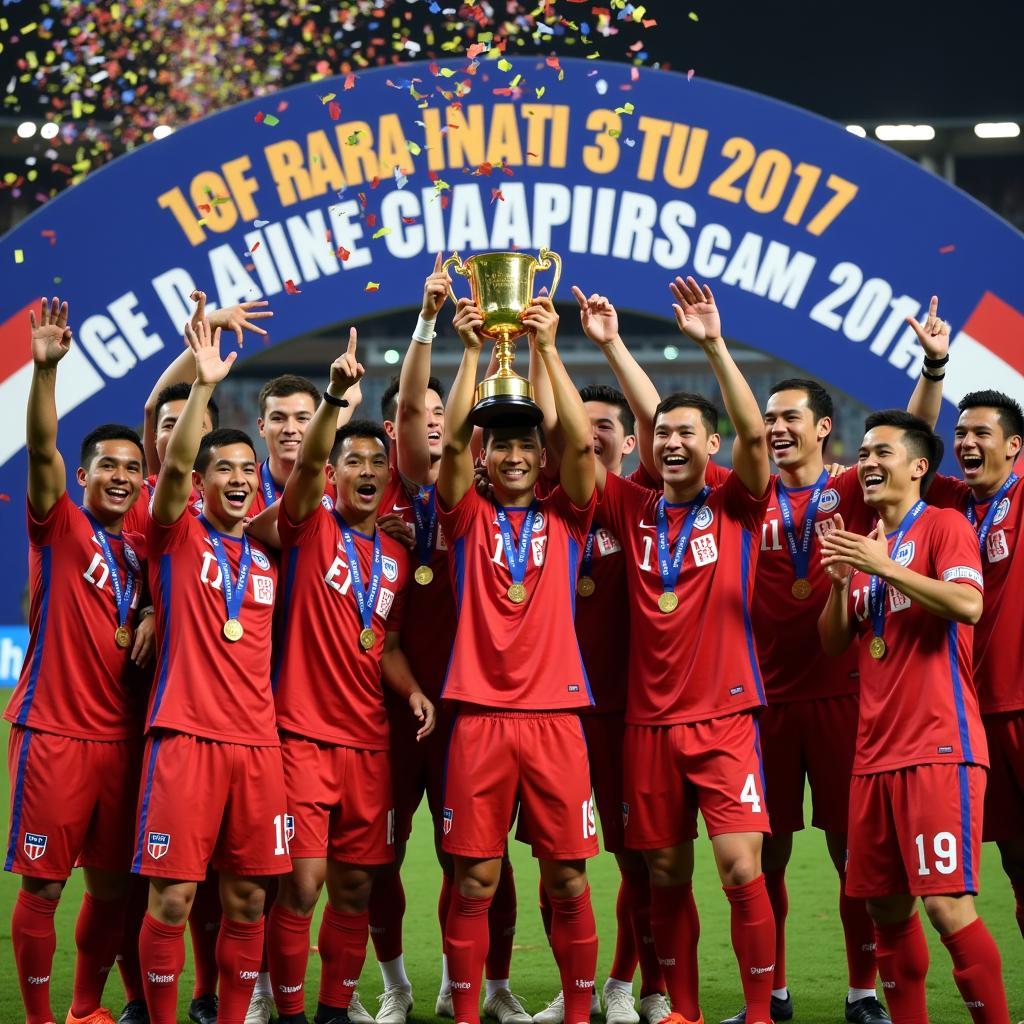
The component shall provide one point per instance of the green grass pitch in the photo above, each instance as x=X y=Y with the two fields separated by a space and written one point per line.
x=816 y=963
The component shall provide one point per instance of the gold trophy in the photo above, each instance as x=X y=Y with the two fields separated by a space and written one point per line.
x=501 y=284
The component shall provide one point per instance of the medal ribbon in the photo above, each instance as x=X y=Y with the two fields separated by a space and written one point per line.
x=271 y=492
x=877 y=588
x=122 y=594
x=234 y=592
x=366 y=599
x=588 y=553
x=669 y=568
x=990 y=515
x=800 y=553
x=516 y=558
x=426 y=522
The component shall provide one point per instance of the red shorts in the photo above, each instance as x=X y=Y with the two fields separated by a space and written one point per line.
x=204 y=802
x=1004 y=794
x=674 y=770
x=816 y=739
x=605 y=735
x=537 y=760
x=417 y=767
x=340 y=799
x=915 y=831
x=71 y=803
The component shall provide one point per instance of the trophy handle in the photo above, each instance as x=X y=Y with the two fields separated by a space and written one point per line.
x=544 y=260
x=460 y=269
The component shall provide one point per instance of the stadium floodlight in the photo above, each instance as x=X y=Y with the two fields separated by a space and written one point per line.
x=997 y=130
x=856 y=129
x=26 y=129
x=671 y=352
x=49 y=130
x=392 y=356
x=161 y=131
x=905 y=132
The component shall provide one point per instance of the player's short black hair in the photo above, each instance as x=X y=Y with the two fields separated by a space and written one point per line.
x=690 y=400
x=1011 y=419
x=358 y=428
x=518 y=431
x=218 y=439
x=919 y=439
x=611 y=396
x=179 y=393
x=285 y=385
x=819 y=401
x=389 y=400
x=106 y=432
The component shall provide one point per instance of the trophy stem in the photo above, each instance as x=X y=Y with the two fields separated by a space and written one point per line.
x=505 y=350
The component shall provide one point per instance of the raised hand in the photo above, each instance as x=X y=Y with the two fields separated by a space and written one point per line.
x=933 y=333
x=542 y=321
x=468 y=320
x=205 y=345
x=870 y=554
x=346 y=370
x=435 y=291
x=51 y=336
x=696 y=313
x=598 y=318
x=232 y=318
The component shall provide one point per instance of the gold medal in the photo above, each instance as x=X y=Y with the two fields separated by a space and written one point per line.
x=801 y=589
x=668 y=602
x=367 y=638
x=233 y=630
x=517 y=593
x=423 y=575
x=585 y=586
x=122 y=636
x=877 y=647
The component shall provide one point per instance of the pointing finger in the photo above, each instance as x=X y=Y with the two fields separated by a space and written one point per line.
x=352 y=337
x=580 y=297
x=437 y=264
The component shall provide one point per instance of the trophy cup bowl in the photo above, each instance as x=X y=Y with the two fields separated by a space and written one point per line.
x=501 y=284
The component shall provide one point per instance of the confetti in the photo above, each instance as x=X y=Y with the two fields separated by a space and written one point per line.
x=50 y=235
x=334 y=110
x=19 y=256
x=496 y=194
x=381 y=232
x=253 y=249
x=289 y=287
x=260 y=223
x=690 y=74
x=693 y=16
x=946 y=249
x=343 y=253
x=372 y=286
x=270 y=120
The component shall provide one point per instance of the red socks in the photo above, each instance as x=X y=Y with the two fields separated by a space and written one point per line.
x=128 y=950
x=676 y=929
x=753 y=939
x=977 y=971
x=34 y=939
x=444 y=905
x=859 y=933
x=387 y=909
x=239 y=953
x=161 y=957
x=574 y=944
x=545 y=911
x=775 y=883
x=902 y=955
x=203 y=925
x=501 y=925
x=626 y=958
x=343 y=939
x=638 y=894
x=97 y=936
x=465 y=945
x=288 y=946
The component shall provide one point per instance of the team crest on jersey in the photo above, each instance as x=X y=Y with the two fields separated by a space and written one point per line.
x=704 y=518
x=829 y=500
x=904 y=554
x=538 y=522
x=389 y=567
x=260 y=559
x=157 y=844
x=327 y=503
x=625 y=814
x=289 y=828
x=446 y=820
x=131 y=558
x=1001 y=509
x=34 y=845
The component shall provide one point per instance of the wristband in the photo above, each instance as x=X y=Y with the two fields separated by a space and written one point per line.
x=933 y=376
x=424 y=332
x=146 y=612
x=934 y=364
x=338 y=403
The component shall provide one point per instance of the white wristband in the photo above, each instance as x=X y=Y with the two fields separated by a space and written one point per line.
x=424 y=332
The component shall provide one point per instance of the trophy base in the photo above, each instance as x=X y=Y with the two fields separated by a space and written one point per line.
x=506 y=411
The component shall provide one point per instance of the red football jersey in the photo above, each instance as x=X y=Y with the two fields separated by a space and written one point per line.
x=267 y=486
x=75 y=680
x=206 y=685
x=789 y=652
x=137 y=518
x=917 y=703
x=697 y=662
x=998 y=637
x=326 y=687
x=508 y=655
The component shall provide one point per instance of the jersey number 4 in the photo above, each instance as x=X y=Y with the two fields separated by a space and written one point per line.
x=750 y=795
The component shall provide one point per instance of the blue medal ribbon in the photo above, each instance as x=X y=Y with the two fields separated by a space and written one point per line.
x=516 y=558
x=426 y=522
x=366 y=599
x=670 y=567
x=800 y=551
x=877 y=587
x=271 y=492
x=990 y=515
x=233 y=590
x=588 y=553
x=122 y=594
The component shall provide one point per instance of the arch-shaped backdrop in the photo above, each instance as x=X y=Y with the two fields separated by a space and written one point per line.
x=818 y=243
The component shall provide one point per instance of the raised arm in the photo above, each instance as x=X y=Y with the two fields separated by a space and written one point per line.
x=51 y=342
x=576 y=473
x=174 y=485
x=933 y=334
x=697 y=318
x=411 y=420
x=305 y=486
x=456 y=473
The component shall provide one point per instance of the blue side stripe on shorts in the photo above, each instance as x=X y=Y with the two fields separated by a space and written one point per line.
x=967 y=841
x=144 y=810
x=19 y=786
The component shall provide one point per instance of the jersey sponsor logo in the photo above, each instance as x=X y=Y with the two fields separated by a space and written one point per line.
x=962 y=572
x=34 y=845
x=327 y=503
x=538 y=545
x=38 y=979
x=996 y=548
x=1001 y=510
x=248 y=975
x=704 y=518
x=898 y=600
x=157 y=844
x=262 y=588
x=648 y=526
x=735 y=691
x=607 y=543
x=260 y=559
x=704 y=549
x=160 y=979
x=389 y=566
x=573 y=688
x=288 y=989
x=904 y=554
x=446 y=820
x=131 y=558
x=944 y=750
x=385 y=601
x=829 y=500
